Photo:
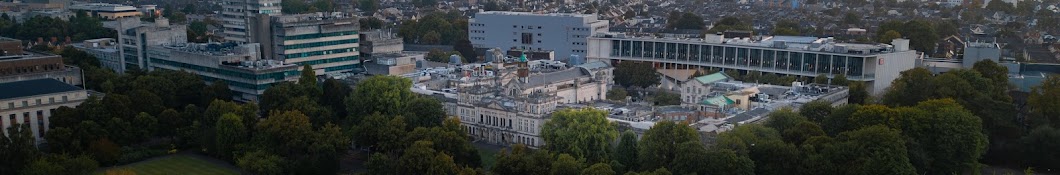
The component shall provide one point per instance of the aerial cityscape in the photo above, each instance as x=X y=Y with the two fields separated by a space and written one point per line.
x=528 y=87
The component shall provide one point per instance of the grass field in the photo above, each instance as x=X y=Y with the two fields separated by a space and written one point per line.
x=178 y=164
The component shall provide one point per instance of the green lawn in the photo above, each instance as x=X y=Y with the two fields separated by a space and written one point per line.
x=178 y=164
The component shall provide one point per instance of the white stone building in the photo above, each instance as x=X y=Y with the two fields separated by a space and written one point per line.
x=33 y=102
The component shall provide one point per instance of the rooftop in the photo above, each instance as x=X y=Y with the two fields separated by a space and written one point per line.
x=34 y=87
x=536 y=14
x=793 y=43
x=715 y=77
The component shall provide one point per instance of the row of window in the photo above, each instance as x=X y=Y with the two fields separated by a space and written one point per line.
x=578 y=43
x=25 y=103
x=319 y=35
x=476 y=31
x=320 y=44
x=318 y=53
x=477 y=24
x=738 y=56
x=279 y=76
x=525 y=27
x=331 y=60
x=25 y=120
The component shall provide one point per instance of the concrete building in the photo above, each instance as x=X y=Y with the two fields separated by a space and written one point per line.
x=380 y=42
x=105 y=50
x=508 y=103
x=327 y=41
x=32 y=102
x=566 y=34
x=19 y=65
x=396 y=64
x=238 y=65
x=876 y=64
x=135 y=36
x=107 y=11
x=236 y=17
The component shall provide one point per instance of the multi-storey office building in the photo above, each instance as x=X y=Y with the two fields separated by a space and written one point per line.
x=105 y=50
x=876 y=64
x=236 y=16
x=566 y=34
x=32 y=102
x=135 y=36
x=238 y=65
x=107 y=11
x=327 y=41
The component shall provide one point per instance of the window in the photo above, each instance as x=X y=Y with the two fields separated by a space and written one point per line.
x=11 y=105
x=38 y=101
x=528 y=38
x=51 y=99
x=25 y=117
x=25 y=103
x=64 y=98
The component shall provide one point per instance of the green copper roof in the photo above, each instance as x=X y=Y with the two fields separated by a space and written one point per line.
x=522 y=58
x=718 y=101
x=716 y=77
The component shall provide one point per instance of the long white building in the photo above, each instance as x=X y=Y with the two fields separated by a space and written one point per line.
x=876 y=64
x=565 y=34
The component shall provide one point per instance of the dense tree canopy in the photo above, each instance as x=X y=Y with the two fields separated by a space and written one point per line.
x=659 y=145
x=686 y=20
x=581 y=133
x=634 y=74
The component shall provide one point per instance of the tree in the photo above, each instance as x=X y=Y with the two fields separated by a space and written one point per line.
x=1000 y=6
x=308 y=82
x=686 y=20
x=424 y=112
x=566 y=165
x=617 y=94
x=335 y=92
x=852 y=19
x=324 y=5
x=295 y=6
x=910 y=88
x=801 y=132
x=218 y=90
x=658 y=147
x=783 y=119
x=922 y=35
x=449 y=138
x=431 y=37
x=285 y=131
x=466 y=50
x=521 y=160
x=821 y=79
x=1039 y=147
x=786 y=27
x=378 y=132
x=727 y=162
x=1043 y=104
x=691 y=158
x=945 y=138
x=147 y=124
x=421 y=159
x=663 y=98
x=871 y=150
x=584 y=133
x=261 y=162
x=634 y=74
x=599 y=169
x=840 y=80
x=729 y=23
x=171 y=121
x=816 y=111
x=369 y=6
x=858 y=93
x=626 y=151
x=104 y=151
x=18 y=148
x=230 y=133
x=388 y=95
x=889 y=36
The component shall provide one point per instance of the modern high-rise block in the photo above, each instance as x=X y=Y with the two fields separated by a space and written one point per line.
x=565 y=34
x=329 y=42
x=135 y=36
x=240 y=66
x=237 y=14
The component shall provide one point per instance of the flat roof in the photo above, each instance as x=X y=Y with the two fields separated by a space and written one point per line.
x=34 y=87
x=536 y=14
